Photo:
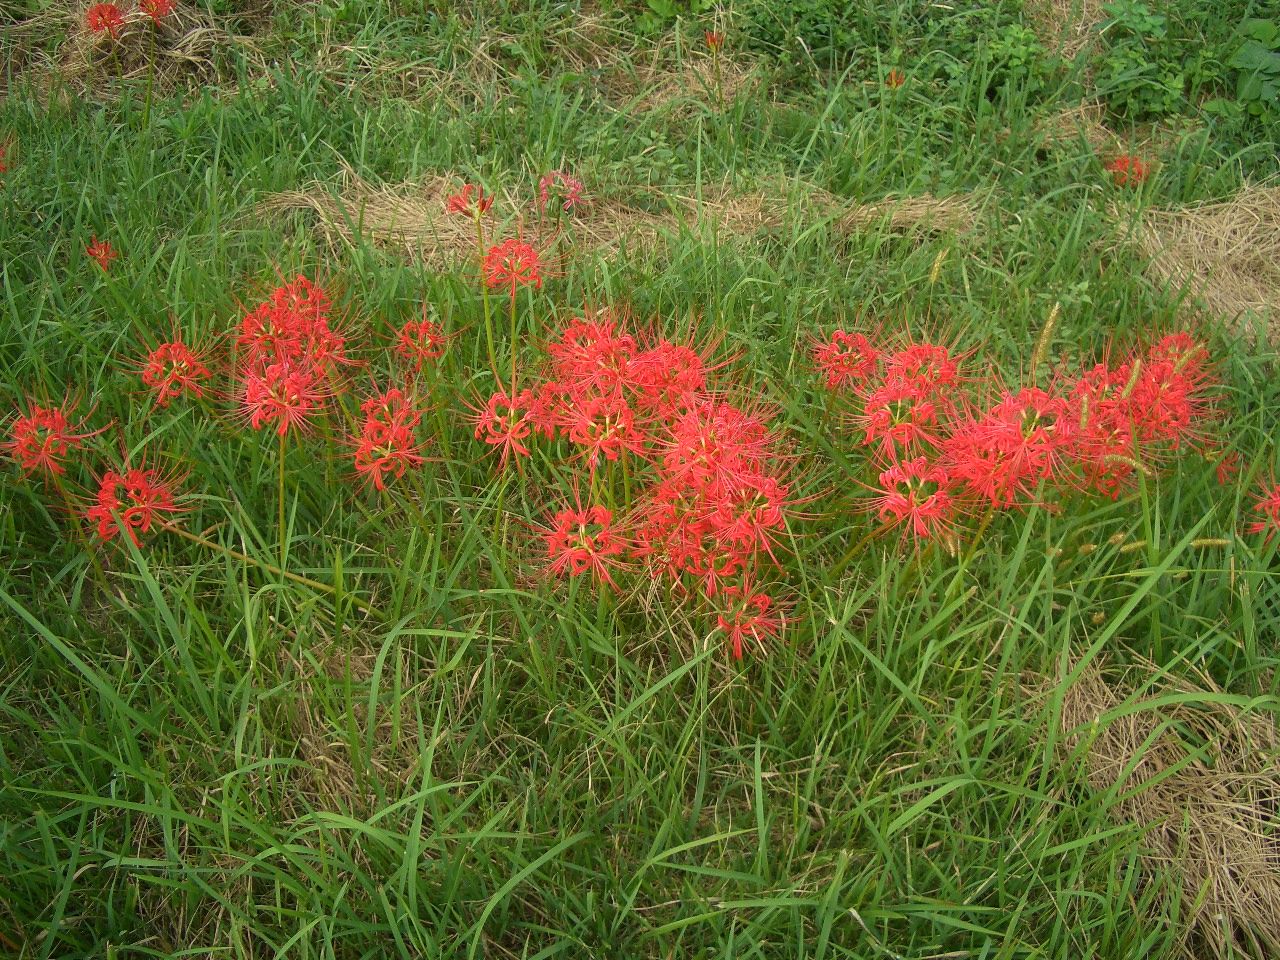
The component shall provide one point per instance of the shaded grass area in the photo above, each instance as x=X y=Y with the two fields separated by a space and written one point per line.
x=205 y=758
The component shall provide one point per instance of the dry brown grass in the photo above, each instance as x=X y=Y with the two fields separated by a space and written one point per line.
x=1197 y=770
x=182 y=48
x=411 y=217
x=1226 y=254
x=1068 y=27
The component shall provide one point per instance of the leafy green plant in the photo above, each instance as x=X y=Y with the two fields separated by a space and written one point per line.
x=1257 y=60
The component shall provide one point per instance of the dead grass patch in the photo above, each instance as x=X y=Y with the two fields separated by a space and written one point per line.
x=182 y=48
x=1226 y=254
x=411 y=217
x=1197 y=770
x=1068 y=27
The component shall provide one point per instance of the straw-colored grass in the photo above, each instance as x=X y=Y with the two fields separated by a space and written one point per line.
x=411 y=217
x=1227 y=254
x=1197 y=770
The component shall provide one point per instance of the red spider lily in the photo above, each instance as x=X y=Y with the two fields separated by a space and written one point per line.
x=504 y=424
x=584 y=540
x=667 y=377
x=1228 y=467
x=592 y=357
x=1024 y=439
x=292 y=326
x=894 y=79
x=746 y=615
x=925 y=366
x=1128 y=171
x=104 y=17
x=1105 y=440
x=846 y=358
x=157 y=10
x=4 y=150
x=41 y=440
x=131 y=500
x=1268 y=507
x=751 y=517
x=916 y=494
x=387 y=444
x=172 y=369
x=283 y=394
x=512 y=264
x=101 y=251
x=714 y=40
x=470 y=201
x=560 y=188
x=714 y=447
x=899 y=417
x=421 y=342
x=604 y=427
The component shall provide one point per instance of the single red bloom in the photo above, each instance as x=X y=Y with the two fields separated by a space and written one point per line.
x=603 y=427
x=172 y=368
x=104 y=16
x=512 y=264
x=899 y=417
x=283 y=394
x=421 y=342
x=504 y=423
x=668 y=377
x=751 y=517
x=4 y=149
x=157 y=10
x=583 y=540
x=846 y=358
x=559 y=187
x=714 y=39
x=41 y=440
x=894 y=79
x=131 y=501
x=1128 y=171
x=916 y=494
x=1268 y=507
x=748 y=615
x=928 y=367
x=101 y=251
x=470 y=201
x=1227 y=468
x=387 y=444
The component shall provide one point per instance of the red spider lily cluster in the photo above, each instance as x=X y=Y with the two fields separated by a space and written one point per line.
x=1267 y=509
x=559 y=189
x=102 y=252
x=943 y=451
x=706 y=497
x=109 y=18
x=1128 y=171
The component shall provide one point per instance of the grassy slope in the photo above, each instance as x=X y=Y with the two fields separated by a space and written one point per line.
x=209 y=759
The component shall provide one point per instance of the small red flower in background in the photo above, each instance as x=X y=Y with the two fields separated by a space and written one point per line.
x=894 y=79
x=504 y=423
x=387 y=444
x=131 y=501
x=421 y=342
x=172 y=369
x=1227 y=468
x=104 y=17
x=584 y=541
x=846 y=358
x=714 y=40
x=915 y=493
x=157 y=10
x=101 y=251
x=559 y=187
x=470 y=201
x=4 y=150
x=41 y=440
x=512 y=264
x=1268 y=507
x=748 y=615
x=1128 y=171
x=281 y=394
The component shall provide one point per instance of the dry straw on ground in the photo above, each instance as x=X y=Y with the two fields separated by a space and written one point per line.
x=183 y=46
x=411 y=217
x=1069 y=27
x=1198 y=771
x=1227 y=255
